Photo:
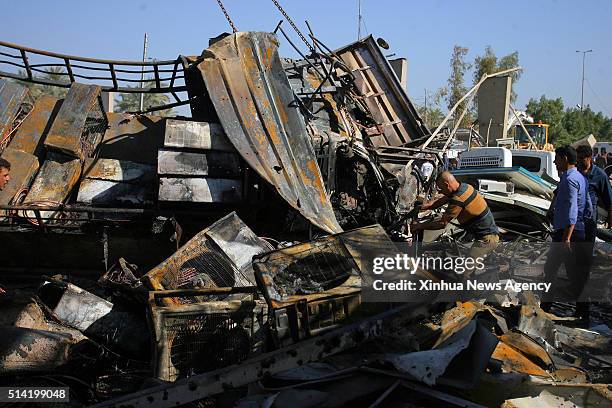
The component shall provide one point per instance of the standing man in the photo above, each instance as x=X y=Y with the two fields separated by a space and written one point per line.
x=600 y=191
x=571 y=205
x=601 y=159
x=5 y=169
x=471 y=211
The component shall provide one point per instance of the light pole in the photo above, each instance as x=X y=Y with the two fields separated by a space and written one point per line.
x=582 y=88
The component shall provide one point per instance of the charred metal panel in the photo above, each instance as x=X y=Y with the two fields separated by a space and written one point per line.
x=55 y=181
x=196 y=135
x=218 y=256
x=80 y=123
x=211 y=163
x=200 y=337
x=256 y=106
x=200 y=190
x=30 y=350
x=383 y=93
x=32 y=131
x=133 y=138
x=110 y=182
x=317 y=269
x=12 y=96
x=97 y=318
x=23 y=169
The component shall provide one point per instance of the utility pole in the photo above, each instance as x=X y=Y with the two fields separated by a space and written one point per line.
x=582 y=88
x=359 y=20
x=144 y=59
x=426 y=105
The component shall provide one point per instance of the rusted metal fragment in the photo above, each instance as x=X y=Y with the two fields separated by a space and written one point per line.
x=26 y=312
x=97 y=318
x=12 y=96
x=54 y=182
x=23 y=169
x=110 y=182
x=133 y=138
x=30 y=135
x=219 y=381
x=218 y=256
x=514 y=361
x=255 y=104
x=31 y=350
x=529 y=347
x=80 y=123
x=383 y=94
x=22 y=312
x=211 y=163
x=196 y=135
x=461 y=315
x=200 y=337
x=200 y=190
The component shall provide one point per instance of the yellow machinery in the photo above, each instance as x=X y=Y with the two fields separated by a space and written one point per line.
x=538 y=133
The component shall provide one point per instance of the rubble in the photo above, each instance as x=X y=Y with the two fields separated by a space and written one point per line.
x=244 y=285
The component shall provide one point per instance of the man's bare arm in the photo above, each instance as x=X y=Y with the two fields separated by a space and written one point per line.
x=437 y=203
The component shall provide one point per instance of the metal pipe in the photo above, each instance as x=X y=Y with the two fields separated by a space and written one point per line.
x=144 y=58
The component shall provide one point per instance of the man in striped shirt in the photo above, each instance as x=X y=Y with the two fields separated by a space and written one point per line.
x=471 y=211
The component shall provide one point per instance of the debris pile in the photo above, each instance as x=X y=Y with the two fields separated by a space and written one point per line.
x=220 y=261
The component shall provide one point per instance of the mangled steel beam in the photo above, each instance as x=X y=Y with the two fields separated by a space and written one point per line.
x=110 y=182
x=31 y=133
x=255 y=104
x=23 y=169
x=383 y=93
x=80 y=123
x=218 y=381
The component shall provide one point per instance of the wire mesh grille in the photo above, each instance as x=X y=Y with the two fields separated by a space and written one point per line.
x=200 y=265
x=93 y=131
x=199 y=343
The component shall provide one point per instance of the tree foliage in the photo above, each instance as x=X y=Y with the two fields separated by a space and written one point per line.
x=55 y=74
x=489 y=64
x=569 y=125
x=456 y=83
x=130 y=102
x=433 y=113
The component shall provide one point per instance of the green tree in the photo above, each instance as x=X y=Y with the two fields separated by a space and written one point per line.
x=433 y=114
x=54 y=74
x=130 y=102
x=570 y=125
x=551 y=112
x=489 y=64
x=580 y=123
x=456 y=83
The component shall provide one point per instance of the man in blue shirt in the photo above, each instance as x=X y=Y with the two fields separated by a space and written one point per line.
x=572 y=204
x=600 y=190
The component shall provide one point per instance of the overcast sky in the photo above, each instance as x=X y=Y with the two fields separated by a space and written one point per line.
x=546 y=34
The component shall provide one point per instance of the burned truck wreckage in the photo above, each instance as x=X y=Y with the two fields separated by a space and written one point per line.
x=221 y=259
